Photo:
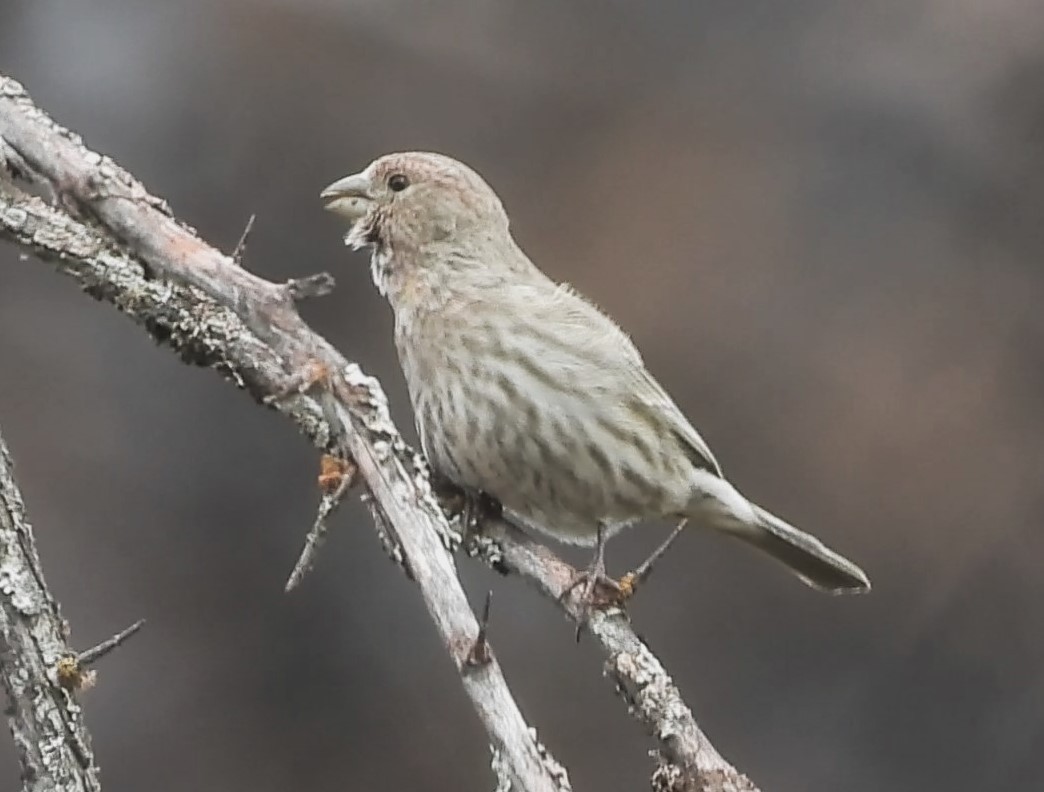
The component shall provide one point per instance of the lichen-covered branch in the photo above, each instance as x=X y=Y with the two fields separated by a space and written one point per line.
x=213 y=313
x=688 y=762
x=54 y=748
x=352 y=405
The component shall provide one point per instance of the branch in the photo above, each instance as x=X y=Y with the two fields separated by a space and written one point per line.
x=54 y=748
x=688 y=762
x=352 y=406
x=213 y=313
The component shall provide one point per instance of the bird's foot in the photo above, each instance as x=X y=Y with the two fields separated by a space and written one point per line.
x=597 y=589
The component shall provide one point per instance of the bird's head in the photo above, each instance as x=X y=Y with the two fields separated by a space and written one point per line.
x=408 y=202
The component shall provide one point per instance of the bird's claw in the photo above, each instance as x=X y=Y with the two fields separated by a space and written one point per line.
x=597 y=589
x=600 y=591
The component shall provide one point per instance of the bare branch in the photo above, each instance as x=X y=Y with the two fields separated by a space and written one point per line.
x=354 y=408
x=54 y=747
x=201 y=321
x=335 y=479
x=630 y=582
x=687 y=759
x=90 y=656
x=74 y=671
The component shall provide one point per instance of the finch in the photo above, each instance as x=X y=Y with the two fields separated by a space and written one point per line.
x=524 y=391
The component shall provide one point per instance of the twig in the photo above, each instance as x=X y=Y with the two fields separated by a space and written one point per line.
x=203 y=332
x=74 y=670
x=630 y=582
x=54 y=747
x=335 y=479
x=239 y=251
x=86 y=658
x=396 y=477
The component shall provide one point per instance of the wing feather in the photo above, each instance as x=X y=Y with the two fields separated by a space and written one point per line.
x=596 y=335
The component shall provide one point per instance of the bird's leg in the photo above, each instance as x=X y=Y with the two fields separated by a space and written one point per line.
x=451 y=497
x=471 y=506
x=488 y=508
x=598 y=589
x=476 y=506
x=629 y=583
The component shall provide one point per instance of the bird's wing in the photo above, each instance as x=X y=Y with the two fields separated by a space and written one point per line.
x=601 y=338
x=694 y=446
x=588 y=327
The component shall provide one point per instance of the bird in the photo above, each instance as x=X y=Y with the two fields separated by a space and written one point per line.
x=525 y=392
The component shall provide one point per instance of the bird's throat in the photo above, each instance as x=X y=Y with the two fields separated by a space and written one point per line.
x=381 y=270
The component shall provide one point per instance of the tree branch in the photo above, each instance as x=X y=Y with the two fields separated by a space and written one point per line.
x=688 y=762
x=353 y=407
x=215 y=314
x=54 y=747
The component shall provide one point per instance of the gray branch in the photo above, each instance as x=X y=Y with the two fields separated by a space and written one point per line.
x=54 y=748
x=109 y=232
x=352 y=405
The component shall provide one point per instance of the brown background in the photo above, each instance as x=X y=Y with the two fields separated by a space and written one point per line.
x=822 y=224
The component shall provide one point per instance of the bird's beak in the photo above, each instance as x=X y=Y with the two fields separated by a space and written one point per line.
x=349 y=197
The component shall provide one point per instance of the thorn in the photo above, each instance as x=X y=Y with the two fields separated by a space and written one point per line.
x=629 y=583
x=73 y=670
x=480 y=654
x=240 y=249
x=318 y=285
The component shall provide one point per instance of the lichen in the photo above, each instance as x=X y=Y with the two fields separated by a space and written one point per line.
x=15 y=218
x=18 y=585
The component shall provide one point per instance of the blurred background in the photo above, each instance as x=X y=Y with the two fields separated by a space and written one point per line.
x=821 y=223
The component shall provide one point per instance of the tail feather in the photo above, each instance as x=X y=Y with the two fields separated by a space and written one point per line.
x=811 y=560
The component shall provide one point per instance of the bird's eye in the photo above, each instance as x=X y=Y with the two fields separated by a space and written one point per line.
x=398 y=182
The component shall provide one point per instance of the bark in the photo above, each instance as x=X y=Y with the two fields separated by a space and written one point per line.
x=54 y=748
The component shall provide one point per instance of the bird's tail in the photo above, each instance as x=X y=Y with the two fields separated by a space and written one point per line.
x=807 y=557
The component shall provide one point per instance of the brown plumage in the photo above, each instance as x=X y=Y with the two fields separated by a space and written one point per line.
x=523 y=389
